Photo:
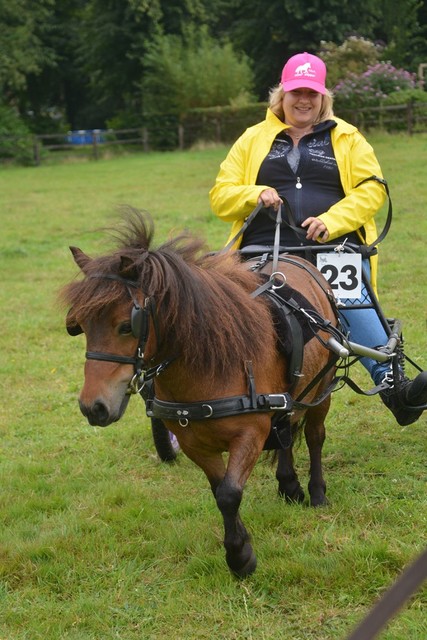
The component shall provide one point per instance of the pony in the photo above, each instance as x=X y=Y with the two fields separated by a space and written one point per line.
x=193 y=332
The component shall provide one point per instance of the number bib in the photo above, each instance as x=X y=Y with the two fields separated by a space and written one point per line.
x=343 y=271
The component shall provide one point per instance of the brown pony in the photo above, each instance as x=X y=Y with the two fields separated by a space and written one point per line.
x=204 y=338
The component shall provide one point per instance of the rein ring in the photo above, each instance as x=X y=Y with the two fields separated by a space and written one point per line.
x=281 y=275
x=136 y=384
x=208 y=406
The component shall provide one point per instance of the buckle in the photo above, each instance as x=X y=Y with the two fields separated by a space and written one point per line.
x=279 y=401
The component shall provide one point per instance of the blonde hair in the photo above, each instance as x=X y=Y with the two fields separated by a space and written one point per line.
x=276 y=104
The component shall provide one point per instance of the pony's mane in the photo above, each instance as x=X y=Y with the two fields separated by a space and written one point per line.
x=203 y=299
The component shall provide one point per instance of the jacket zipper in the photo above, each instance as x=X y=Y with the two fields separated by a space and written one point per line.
x=298 y=187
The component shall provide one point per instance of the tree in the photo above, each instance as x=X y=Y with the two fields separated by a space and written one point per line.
x=193 y=71
x=16 y=143
x=23 y=25
x=38 y=70
x=404 y=30
x=270 y=32
x=54 y=95
x=114 y=37
x=83 y=62
x=117 y=37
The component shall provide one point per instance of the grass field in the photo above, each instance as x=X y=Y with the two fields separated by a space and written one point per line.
x=98 y=539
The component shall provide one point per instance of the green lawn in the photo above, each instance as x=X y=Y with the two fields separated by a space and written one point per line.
x=99 y=540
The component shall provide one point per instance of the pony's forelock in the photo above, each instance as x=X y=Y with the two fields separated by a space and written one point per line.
x=203 y=299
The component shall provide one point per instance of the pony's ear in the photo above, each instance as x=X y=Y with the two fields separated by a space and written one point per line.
x=127 y=268
x=80 y=258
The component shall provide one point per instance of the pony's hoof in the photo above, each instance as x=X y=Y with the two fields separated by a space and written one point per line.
x=248 y=567
x=297 y=496
x=319 y=501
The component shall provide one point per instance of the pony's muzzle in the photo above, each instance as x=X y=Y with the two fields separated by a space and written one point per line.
x=97 y=414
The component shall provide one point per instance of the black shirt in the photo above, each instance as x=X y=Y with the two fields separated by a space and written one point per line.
x=306 y=177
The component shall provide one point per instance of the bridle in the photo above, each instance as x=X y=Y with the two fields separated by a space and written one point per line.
x=140 y=325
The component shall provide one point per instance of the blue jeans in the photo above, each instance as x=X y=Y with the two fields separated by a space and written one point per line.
x=365 y=328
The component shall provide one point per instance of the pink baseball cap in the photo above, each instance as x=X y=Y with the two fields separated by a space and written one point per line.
x=304 y=71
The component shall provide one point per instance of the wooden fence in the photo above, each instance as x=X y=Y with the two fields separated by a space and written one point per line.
x=410 y=118
x=214 y=127
x=94 y=139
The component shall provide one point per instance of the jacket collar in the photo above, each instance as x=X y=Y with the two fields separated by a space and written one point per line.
x=276 y=125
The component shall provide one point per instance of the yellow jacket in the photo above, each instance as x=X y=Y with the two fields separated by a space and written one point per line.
x=235 y=193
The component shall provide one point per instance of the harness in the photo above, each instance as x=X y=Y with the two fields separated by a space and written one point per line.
x=302 y=322
x=289 y=310
x=280 y=404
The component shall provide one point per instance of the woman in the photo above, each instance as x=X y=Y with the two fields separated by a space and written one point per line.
x=322 y=167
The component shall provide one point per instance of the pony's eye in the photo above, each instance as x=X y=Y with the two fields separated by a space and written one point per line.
x=125 y=329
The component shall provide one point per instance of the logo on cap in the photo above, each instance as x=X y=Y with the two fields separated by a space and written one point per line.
x=305 y=70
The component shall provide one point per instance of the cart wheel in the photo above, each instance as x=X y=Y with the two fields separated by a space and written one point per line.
x=165 y=442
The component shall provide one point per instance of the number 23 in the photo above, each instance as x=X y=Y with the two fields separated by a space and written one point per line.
x=346 y=277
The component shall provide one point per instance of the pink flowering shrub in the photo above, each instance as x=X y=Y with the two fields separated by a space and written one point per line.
x=373 y=85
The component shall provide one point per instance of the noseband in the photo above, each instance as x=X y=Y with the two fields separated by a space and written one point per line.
x=140 y=324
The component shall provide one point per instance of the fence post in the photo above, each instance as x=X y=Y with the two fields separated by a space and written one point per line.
x=144 y=133
x=94 y=145
x=410 y=117
x=181 y=136
x=218 y=129
x=36 y=151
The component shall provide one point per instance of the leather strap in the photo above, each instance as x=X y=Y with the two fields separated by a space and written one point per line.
x=219 y=408
x=393 y=599
x=241 y=231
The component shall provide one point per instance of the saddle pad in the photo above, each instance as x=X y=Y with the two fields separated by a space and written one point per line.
x=280 y=316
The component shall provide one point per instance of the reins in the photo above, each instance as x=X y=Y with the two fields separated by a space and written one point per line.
x=389 y=604
x=369 y=250
x=365 y=250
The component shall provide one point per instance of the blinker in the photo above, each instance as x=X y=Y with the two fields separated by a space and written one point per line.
x=140 y=318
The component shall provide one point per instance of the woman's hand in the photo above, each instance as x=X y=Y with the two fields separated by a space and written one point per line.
x=316 y=229
x=270 y=198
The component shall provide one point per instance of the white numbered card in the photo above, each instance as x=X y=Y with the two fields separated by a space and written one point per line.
x=343 y=271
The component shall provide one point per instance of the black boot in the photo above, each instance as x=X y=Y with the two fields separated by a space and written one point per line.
x=404 y=398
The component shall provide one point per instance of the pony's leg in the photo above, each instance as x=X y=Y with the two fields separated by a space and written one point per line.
x=239 y=554
x=289 y=485
x=227 y=488
x=315 y=437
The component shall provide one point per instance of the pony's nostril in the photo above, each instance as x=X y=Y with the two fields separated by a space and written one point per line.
x=100 y=411
x=96 y=414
